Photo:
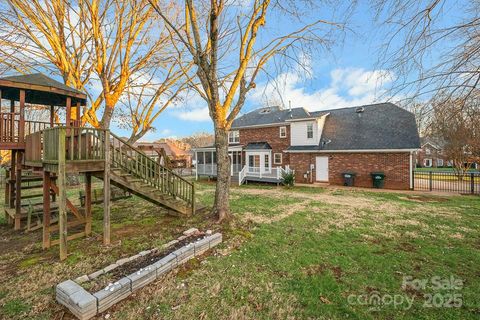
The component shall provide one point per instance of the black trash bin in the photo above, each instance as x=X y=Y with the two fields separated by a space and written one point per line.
x=349 y=178
x=378 y=179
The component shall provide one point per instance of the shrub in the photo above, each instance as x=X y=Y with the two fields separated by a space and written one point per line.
x=288 y=179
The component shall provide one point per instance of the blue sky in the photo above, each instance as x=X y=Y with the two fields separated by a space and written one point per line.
x=348 y=76
x=344 y=77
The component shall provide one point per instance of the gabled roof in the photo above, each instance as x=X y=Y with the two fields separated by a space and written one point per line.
x=40 y=89
x=268 y=116
x=378 y=126
x=41 y=80
x=258 y=146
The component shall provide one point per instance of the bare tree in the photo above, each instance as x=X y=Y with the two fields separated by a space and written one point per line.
x=198 y=140
x=430 y=49
x=455 y=122
x=93 y=44
x=230 y=46
x=146 y=99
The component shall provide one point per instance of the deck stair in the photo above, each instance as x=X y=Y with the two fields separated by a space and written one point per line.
x=133 y=170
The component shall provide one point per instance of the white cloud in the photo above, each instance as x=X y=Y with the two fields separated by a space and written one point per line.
x=347 y=87
x=197 y=114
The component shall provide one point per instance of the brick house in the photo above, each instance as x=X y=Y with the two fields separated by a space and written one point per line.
x=320 y=146
x=430 y=155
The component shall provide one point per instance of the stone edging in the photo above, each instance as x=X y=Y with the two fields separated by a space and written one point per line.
x=85 y=305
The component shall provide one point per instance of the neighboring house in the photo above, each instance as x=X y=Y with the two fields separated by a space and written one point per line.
x=320 y=146
x=177 y=157
x=431 y=155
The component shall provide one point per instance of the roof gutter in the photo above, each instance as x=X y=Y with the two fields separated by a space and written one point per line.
x=352 y=151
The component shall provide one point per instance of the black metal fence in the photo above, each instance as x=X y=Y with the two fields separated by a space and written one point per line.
x=466 y=183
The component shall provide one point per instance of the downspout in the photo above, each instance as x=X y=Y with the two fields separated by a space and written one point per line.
x=411 y=170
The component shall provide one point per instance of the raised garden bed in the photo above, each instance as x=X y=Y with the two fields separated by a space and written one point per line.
x=94 y=293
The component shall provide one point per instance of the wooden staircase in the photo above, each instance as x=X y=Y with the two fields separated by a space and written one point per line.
x=134 y=171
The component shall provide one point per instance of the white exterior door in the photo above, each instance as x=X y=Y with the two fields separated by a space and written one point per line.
x=321 y=169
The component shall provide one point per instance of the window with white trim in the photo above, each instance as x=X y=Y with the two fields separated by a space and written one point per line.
x=428 y=151
x=277 y=158
x=234 y=136
x=309 y=130
x=427 y=163
x=439 y=162
x=283 y=132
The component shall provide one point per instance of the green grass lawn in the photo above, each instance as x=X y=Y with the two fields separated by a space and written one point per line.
x=299 y=253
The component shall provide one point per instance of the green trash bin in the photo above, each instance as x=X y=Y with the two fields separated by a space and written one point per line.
x=378 y=179
x=348 y=178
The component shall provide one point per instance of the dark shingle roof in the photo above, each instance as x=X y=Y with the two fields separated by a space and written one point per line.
x=379 y=126
x=41 y=80
x=258 y=146
x=269 y=115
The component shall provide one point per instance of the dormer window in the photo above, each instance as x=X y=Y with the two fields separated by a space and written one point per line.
x=310 y=131
x=283 y=132
x=234 y=136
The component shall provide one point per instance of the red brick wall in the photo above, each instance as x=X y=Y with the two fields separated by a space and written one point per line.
x=396 y=167
x=435 y=154
x=270 y=135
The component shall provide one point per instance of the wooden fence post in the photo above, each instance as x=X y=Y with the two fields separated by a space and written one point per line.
x=62 y=196
x=18 y=190
x=106 y=191
x=88 y=203
x=46 y=210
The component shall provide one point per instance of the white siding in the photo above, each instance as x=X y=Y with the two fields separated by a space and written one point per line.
x=298 y=133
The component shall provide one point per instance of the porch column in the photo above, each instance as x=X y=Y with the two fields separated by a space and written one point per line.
x=211 y=160
x=77 y=116
x=69 y=112
x=21 y=125
x=196 y=170
x=18 y=190
x=52 y=115
x=12 y=126
x=106 y=191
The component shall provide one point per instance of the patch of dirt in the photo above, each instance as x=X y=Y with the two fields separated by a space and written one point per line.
x=284 y=212
x=424 y=198
x=408 y=247
x=135 y=265
x=321 y=268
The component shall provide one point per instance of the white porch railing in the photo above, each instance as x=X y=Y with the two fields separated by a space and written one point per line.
x=262 y=173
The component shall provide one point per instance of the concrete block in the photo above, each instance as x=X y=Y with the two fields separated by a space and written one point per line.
x=165 y=264
x=122 y=261
x=143 y=277
x=82 y=279
x=134 y=257
x=209 y=232
x=80 y=302
x=185 y=253
x=68 y=287
x=181 y=238
x=96 y=274
x=190 y=232
x=215 y=239
x=110 y=267
x=169 y=244
x=113 y=293
x=144 y=253
x=201 y=246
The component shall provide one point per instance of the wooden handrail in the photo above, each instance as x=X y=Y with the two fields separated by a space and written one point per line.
x=139 y=164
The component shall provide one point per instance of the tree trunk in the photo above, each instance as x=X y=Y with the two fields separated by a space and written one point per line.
x=221 y=206
x=107 y=117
